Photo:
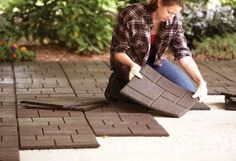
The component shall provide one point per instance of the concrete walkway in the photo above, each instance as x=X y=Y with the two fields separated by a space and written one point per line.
x=198 y=135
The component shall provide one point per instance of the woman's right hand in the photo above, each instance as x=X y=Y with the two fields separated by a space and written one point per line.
x=123 y=58
x=135 y=71
x=201 y=92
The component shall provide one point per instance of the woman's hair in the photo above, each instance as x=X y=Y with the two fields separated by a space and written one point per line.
x=153 y=3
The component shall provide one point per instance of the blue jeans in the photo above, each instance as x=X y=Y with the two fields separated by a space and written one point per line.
x=174 y=74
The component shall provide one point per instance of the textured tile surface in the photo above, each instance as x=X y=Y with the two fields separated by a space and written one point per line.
x=79 y=80
x=49 y=128
x=156 y=92
x=230 y=101
x=125 y=124
x=9 y=144
x=62 y=103
x=200 y=106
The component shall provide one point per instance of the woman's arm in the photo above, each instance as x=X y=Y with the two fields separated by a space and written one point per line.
x=183 y=54
x=125 y=59
x=120 y=44
x=191 y=68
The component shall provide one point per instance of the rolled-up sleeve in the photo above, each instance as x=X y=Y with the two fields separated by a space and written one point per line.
x=178 y=44
x=120 y=36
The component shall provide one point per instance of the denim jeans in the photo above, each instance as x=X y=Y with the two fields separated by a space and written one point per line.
x=174 y=74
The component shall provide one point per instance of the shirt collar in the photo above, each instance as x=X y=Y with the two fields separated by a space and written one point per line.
x=165 y=24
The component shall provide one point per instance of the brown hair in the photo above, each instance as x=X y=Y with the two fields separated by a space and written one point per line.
x=153 y=3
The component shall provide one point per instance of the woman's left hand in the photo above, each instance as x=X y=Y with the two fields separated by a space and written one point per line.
x=201 y=92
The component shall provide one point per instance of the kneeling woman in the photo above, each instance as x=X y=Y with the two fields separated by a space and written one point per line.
x=141 y=34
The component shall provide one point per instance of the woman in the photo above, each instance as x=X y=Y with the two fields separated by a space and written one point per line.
x=141 y=35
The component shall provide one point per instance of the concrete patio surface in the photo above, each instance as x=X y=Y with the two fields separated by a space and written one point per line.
x=196 y=136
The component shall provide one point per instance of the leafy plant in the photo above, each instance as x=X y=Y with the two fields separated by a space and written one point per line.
x=231 y=3
x=6 y=29
x=12 y=52
x=84 y=25
x=218 y=46
x=201 y=22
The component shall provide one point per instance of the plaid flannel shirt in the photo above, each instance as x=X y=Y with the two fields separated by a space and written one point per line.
x=131 y=35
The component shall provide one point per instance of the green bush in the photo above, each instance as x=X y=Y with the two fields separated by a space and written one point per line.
x=6 y=29
x=232 y=3
x=10 y=51
x=84 y=25
x=220 y=47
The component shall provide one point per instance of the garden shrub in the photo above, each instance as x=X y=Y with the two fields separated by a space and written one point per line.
x=231 y=3
x=10 y=51
x=200 y=22
x=6 y=29
x=84 y=25
x=219 y=46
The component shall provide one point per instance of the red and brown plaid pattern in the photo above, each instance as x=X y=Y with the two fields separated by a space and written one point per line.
x=131 y=35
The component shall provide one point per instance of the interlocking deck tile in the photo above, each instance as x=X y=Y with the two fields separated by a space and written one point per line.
x=65 y=103
x=8 y=121
x=216 y=90
x=8 y=141
x=230 y=100
x=84 y=141
x=200 y=106
x=123 y=107
x=8 y=130
x=54 y=129
x=230 y=107
x=9 y=154
x=61 y=142
x=7 y=113
x=22 y=113
x=63 y=90
x=156 y=92
x=125 y=124
x=56 y=133
x=61 y=95
x=67 y=129
x=9 y=98
x=7 y=103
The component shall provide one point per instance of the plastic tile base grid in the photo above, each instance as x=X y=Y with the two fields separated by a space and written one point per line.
x=156 y=92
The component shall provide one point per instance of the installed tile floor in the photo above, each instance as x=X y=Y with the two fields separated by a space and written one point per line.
x=196 y=136
x=204 y=133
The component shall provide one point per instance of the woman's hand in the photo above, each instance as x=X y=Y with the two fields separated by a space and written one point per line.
x=134 y=67
x=135 y=71
x=191 y=68
x=201 y=92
